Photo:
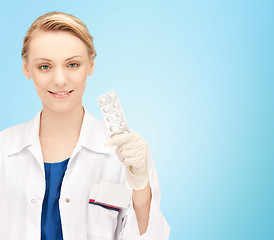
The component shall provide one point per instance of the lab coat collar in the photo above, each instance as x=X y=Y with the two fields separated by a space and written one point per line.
x=92 y=135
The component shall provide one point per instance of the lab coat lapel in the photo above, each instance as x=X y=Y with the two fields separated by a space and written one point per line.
x=27 y=135
x=93 y=135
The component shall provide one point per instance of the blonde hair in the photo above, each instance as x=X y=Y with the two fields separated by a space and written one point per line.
x=60 y=21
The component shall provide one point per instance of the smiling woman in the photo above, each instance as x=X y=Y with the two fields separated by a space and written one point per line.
x=59 y=64
x=55 y=163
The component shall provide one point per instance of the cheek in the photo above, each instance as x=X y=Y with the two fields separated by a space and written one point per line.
x=40 y=82
x=79 y=78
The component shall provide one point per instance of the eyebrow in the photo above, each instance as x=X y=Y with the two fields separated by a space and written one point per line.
x=65 y=60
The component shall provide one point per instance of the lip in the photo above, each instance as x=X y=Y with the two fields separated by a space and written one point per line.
x=60 y=96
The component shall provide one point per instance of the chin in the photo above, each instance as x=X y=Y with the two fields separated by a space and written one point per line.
x=62 y=107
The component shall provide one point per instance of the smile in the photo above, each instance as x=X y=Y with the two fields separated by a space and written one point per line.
x=62 y=94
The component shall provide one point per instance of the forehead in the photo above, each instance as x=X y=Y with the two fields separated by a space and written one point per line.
x=56 y=45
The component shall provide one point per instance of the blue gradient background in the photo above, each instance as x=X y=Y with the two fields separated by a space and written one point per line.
x=195 y=79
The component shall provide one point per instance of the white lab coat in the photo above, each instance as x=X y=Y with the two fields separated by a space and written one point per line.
x=22 y=187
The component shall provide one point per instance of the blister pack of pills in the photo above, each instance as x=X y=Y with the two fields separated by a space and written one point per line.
x=113 y=113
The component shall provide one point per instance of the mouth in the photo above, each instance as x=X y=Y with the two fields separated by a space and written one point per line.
x=60 y=93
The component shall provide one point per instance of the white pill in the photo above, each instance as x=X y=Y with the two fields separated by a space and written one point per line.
x=119 y=114
x=102 y=100
x=109 y=119
x=113 y=128
x=116 y=105
x=122 y=124
x=106 y=110
x=112 y=96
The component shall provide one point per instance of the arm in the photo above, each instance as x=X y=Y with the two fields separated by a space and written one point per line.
x=157 y=228
x=141 y=205
x=143 y=220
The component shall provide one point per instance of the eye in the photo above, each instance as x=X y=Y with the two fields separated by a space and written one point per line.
x=42 y=67
x=74 y=65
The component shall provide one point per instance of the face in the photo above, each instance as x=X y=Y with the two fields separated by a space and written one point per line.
x=58 y=61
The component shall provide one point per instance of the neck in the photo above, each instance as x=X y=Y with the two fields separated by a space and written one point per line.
x=61 y=125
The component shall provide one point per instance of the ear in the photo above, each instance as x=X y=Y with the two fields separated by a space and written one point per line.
x=91 y=68
x=26 y=69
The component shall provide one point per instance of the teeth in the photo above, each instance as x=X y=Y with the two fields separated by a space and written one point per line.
x=62 y=93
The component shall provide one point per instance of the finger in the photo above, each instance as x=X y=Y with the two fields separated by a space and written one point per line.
x=133 y=146
x=134 y=137
x=122 y=138
x=118 y=153
x=117 y=139
x=131 y=143
x=130 y=152
x=134 y=162
x=130 y=161
x=123 y=153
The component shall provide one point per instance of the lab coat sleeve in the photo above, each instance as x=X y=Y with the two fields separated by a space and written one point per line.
x=158 y=227
x=2 y=181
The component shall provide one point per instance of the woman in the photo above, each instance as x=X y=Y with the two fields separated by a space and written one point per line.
x=53 y=167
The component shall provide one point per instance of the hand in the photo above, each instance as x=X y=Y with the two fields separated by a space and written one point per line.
x=132 y=151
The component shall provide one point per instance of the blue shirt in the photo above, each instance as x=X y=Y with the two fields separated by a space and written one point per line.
x=51 y=227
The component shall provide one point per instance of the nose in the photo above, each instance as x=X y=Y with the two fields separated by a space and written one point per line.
x=60 y=77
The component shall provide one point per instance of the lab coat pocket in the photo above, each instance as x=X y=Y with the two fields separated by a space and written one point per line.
x=105 y=202
x=101 y=221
